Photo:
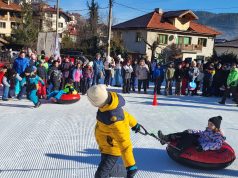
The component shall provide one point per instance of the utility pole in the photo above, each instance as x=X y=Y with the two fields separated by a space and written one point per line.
x=57 y=18
x=57 y=28
x=109 y=27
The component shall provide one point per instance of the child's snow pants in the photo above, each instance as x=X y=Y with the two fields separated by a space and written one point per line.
x=108 y=167
x=185 y=139
x=33 y=96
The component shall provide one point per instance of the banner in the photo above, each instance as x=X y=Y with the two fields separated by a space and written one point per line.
x=49 y=42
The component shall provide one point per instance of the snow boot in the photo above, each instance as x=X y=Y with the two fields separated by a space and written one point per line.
x=38 y=104
x=163 y=138
x=221 y=102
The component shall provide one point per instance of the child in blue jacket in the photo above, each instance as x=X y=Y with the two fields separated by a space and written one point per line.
x=158 y=76
x=31 y=81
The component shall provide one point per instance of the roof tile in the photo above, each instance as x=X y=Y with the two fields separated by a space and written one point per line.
x=10 y=7
x=154 y=20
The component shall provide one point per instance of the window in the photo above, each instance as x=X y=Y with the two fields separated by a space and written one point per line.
x=183 y=40
x=187 y=40
x=2 y=24
x=49 y=15
x=202 y=42
x=50 y=24
x=163 y=39
x=138 y=37
x=61 y=25
x=13 y=25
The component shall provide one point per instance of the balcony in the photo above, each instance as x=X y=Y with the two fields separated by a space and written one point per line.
x=15 y=19
x=190 y=48
x=3 y=17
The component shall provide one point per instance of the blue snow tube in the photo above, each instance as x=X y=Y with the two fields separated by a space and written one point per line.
x=192 y=85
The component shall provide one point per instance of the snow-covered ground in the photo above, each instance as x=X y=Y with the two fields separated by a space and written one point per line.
x=57 y=141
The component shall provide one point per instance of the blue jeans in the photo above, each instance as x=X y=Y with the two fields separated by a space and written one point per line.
x=5 y=92
x=117 y=77
x=33 y=96
x=96 y=78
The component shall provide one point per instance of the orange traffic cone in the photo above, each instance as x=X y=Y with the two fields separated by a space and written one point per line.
x=155 y=103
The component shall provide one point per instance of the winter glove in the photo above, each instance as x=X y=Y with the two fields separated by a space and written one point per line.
x=136 y=128
x=199 y=148
x=131 y=171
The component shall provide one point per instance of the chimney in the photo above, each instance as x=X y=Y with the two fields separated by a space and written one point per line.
x=159 y=10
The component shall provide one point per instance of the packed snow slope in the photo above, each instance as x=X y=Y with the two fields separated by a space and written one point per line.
x=57 y=141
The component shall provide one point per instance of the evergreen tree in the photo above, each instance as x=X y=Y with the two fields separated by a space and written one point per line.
x=67 y=42
x=27 y=32
x=93 y=8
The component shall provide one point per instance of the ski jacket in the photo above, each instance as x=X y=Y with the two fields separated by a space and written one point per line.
x=193 y=73
x=98 y=67
x=178 y=75
x=65 y=68
x=41 y=72
x=55 y=74
x=20 y=64
x=112 y=130
x=210 y=140
x=31 y=82
x=233 y=78
x=87 y=72
x=126 y=71
x=142 y=72
x=1 y=76
x=70 y=89
x=77 y=75
x=169 y=75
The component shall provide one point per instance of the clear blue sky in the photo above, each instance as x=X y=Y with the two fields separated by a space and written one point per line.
x=122 y=13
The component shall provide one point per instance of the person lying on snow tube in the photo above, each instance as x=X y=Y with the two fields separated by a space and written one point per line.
x=211 y=138
x=55 y=96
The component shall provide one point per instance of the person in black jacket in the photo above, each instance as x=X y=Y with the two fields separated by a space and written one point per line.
x=42 y=73
x=178 y=76
x=55 y=76
x=65 y=68
x=219 y=79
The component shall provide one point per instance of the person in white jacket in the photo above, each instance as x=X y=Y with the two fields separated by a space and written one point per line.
x=142 y=71
x=107 y=69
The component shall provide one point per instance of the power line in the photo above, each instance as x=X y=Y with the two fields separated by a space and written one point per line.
x=84 y=9
x=147 y=10
x=130 y=7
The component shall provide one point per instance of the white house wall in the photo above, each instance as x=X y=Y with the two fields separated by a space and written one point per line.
x=53 y=20
x=206 y=51
x=6 y=31
x=129 y=41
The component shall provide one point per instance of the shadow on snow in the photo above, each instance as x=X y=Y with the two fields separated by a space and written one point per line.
x=150 y=160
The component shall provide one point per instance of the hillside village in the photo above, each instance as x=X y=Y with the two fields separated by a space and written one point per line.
x=182 y=29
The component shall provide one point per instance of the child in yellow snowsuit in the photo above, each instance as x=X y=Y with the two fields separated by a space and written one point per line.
x=112 y=133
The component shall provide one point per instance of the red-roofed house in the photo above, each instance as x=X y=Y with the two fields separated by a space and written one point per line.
x=9 y=15
x=196 y=41
x=47 y=15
